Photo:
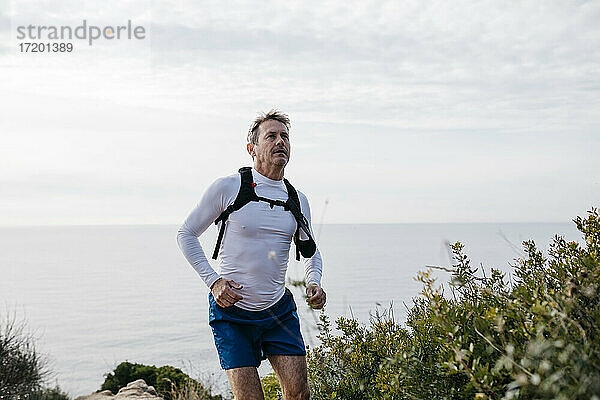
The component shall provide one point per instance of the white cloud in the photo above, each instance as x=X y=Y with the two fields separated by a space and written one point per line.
x=414 y=98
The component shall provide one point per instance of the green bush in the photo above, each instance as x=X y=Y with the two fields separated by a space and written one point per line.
x=193 y=390
x=270 y=386
x=535 y=337
x=382 y=361
x=22 y=369
x=49 y=394
x=168 y=381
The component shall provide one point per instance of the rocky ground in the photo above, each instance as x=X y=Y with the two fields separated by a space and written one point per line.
x=138 y=390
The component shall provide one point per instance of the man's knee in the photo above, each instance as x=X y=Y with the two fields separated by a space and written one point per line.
x=245 y=383
x=299 y=392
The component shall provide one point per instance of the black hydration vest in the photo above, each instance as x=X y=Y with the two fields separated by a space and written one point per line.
x=247 y=194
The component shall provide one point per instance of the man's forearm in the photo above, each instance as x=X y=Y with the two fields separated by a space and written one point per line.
x=313 y=269
x=193 y=252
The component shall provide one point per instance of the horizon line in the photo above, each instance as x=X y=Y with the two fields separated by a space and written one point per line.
x=314 y=224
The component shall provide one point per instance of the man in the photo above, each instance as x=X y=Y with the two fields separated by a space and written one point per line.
x=251 y=314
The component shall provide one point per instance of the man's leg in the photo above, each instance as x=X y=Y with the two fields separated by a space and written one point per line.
x=245 y=383
x=291 y=372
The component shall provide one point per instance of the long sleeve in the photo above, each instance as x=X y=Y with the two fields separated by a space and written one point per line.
x=201 y=217
x=313 y=266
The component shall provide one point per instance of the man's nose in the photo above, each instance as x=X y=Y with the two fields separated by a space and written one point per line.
x=280 y=139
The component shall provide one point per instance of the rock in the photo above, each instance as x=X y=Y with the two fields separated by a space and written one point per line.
x=104 y=395
x=137 y=390
x=151 y=390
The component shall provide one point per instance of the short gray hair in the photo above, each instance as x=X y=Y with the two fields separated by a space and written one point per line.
x=262 y=117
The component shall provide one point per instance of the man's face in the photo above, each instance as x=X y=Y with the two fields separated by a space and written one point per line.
x=273 y=145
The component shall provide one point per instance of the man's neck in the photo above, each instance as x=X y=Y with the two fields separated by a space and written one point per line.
x=271 y=171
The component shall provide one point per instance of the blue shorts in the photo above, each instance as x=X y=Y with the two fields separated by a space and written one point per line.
x=243 y=338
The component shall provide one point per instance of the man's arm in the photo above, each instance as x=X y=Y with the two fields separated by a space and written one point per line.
x=208 y=209
x=313 y=266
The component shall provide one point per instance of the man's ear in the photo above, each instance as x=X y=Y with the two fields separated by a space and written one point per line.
x=250 y=148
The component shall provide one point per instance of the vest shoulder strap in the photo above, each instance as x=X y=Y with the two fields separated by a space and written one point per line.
x=245 y=195
x=292 y=193
x=305 y=247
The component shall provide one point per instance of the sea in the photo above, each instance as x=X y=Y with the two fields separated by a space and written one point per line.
x=94 y=296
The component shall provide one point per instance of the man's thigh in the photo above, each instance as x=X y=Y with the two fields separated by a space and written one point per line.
x=245 y=383
x=291 y=371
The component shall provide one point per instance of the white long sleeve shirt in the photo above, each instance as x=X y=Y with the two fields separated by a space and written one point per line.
x=256 y=245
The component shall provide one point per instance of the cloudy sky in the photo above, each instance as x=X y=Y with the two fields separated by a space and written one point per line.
x=421 y=111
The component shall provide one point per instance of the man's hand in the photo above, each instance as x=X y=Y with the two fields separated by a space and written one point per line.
x=316 y=296
x=224 y=293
